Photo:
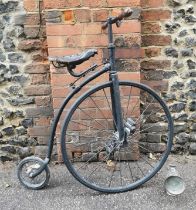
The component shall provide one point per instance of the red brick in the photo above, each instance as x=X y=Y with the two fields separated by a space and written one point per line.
x=126 y=53
x=156 y=40
x=152 y=3
x=30 y=5
x=39 y=131
x=131 y=26
x=37 y=68
x=94 y=3
x=153 y=15
x=36 y=90
x=43 y=100
x=155 y=64
x=153 y=52
x=34 y=31
x=63 y=30
x=39 y=111
x=62 y=52
x=161 y=85
x=69 y=15
x=37 y=79
x=33 y=19
x=61 y=79
x=123 y=3
x=83 y=15
x=58 y=92
x=42 y=121
x=60 y=4
x=91 y=28
x=151 y=28
x=100 y=15
x=29 y=44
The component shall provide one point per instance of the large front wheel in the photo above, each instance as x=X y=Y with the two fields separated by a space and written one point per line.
x=92 y=150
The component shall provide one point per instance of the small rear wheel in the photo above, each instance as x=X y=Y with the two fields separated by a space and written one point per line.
x=28 y=166
x=90 y=142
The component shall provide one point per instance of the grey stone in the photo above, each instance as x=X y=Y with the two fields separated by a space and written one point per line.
x=183 y=33
x=190 y=41
x=191 y=64
x=192 y=117
x=27 y=123
x=191 y=84
x=191 y=94
x=179 y=13
x=19 y=19
x=177 y=86
x=169 y=96
x=193 y=127
x=8 y=45
x=194 y=30
x=178 y=65
x=177 y=107
x=171 y=27
x=24 y=152
x=190 y=10
x=192 y=106
x=187 y=52
x=90 y=157
x=20 y=79
x=16 y=58
x=8 y=131
x=177 y=149
x=1 y=120
x=21 y=130
x=179 y=128
x=54 y=20
x=192 y=149
x=20 y=101
x=181 y=117
x=14 y=90
x=182 y=138
x=174 y=3
x=19 y=113
x=2 y=56
x=8 y=148
x=171 y=52
x=1 y=35
x=5 y=156
x=193 y=74
x=52 y=14
x=13 y=69
x=169 y=74
x=7 y=113
x=190 y=19
x=192 y=137
x=119 y=41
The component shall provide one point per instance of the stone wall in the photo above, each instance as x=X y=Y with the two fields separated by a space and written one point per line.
x=25 y=104
x=168 y=37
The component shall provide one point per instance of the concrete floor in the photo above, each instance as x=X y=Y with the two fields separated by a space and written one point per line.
x=64 y=192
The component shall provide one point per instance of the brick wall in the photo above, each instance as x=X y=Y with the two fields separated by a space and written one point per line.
x=76 y=25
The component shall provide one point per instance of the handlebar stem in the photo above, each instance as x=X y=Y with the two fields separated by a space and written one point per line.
x=111 y=45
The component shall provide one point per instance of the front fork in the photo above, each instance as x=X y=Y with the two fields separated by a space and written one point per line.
x=116 y=106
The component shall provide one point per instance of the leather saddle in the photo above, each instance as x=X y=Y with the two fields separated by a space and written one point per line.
x=73 y=60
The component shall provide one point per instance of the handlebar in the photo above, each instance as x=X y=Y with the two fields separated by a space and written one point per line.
x=125 y=13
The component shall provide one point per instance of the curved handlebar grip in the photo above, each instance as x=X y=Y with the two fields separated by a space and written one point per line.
x=126 y=13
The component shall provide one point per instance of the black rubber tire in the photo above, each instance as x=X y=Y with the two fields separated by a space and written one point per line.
x=26 y=183
x=137 y=183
